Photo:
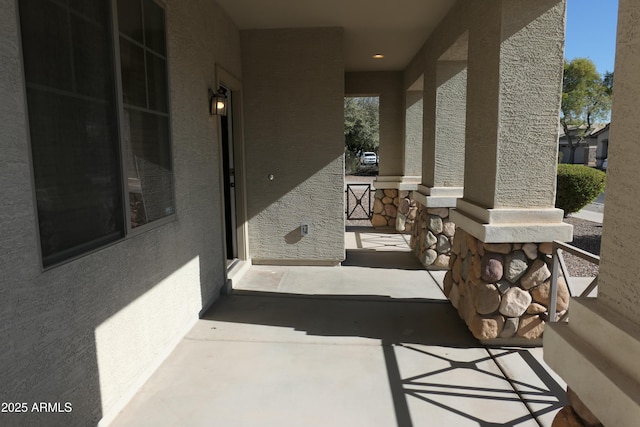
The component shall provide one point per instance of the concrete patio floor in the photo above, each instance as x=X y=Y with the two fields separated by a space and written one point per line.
x=372 y=343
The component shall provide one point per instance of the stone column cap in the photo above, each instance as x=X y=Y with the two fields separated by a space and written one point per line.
x=397 y=182
x=510 y=215
x=512 y=225
x=438 y=197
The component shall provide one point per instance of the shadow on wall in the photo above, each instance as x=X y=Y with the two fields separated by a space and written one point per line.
x=61 y=329
x=293 y=121
x=293 y=237
x=72 y=336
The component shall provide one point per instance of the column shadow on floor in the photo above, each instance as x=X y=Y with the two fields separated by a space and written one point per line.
x=386 y=260
x=428 y=328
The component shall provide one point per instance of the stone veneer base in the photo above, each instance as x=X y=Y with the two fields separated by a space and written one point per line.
x=432 y=237
x=394 y=208
x=501 y=290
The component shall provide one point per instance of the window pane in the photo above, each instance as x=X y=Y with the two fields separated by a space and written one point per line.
x=149 y=172
x=154 y=27
x=130 y=19
x=74 y=144
x=91 y=9
x=91 y=58
x=45 y=43
x=76 y=171
x=157 y=81
x=134 y=90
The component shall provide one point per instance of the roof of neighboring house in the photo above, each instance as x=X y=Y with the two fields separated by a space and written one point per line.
x=595 y=129
x=601 y=130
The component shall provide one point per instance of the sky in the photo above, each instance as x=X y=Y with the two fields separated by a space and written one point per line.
x=591 y=31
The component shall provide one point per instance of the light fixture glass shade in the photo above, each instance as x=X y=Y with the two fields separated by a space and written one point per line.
x=218 y=102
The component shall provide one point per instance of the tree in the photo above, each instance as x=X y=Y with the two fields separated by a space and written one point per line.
x=586 y=99
x=361 y=118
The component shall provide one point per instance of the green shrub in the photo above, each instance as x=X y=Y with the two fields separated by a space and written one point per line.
x=578 y=186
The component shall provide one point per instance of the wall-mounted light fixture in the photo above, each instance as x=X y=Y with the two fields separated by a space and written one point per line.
x=218 y=102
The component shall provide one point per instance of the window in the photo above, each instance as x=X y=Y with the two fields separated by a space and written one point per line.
x=78 y=139
x=143 y=66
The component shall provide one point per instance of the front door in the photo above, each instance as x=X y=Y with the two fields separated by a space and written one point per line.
x=228 y=165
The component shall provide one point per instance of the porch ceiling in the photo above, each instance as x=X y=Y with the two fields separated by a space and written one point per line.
x=396 y=29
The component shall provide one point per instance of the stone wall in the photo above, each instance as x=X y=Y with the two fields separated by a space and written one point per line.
x=576 y=413
x=432 y=237
x=502 y=290
x=394 y=208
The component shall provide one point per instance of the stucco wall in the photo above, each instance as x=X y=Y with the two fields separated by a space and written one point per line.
x=446 y=139
x=619 y=267
x=482 y=104
x=531 y=69
x=413 y=134
x=90 y=331
x=515 y=54
x=446 y=34
x=293 y=81
x=448 y=42
x=388 y=86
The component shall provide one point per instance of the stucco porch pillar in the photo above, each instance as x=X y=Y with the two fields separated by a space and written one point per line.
x=444 y=135
x=506 y=219
x=597 y=352
x=515 y=62
x=412 y=153
x=445 y=90
x=390 y=183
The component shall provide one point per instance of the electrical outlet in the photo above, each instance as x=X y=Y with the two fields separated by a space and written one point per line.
x=304 y=229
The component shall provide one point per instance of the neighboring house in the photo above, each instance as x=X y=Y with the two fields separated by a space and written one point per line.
x=127 y=208
x=602 y=144
x=591 y=151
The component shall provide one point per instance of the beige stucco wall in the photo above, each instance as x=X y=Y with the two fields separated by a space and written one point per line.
x=293 y=81
x=444 y=139
x=388 y=86
x=596 y=353
x=619 y=268
x=413 y=133
x=90 y=331
x=442 y=121
x=446 y=34
x=515 y=53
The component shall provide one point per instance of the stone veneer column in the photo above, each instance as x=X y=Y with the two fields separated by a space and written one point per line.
x=443 y=162
x=394 y=205
x=597 y=352
x=506 y=219
x=392 y=187
x=399 y=172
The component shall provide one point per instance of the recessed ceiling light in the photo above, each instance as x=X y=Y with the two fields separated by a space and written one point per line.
x=378 y=56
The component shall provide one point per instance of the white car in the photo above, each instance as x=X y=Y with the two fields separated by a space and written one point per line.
x=369 y=158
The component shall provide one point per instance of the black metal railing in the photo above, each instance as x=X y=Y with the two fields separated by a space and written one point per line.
x=358 y=201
